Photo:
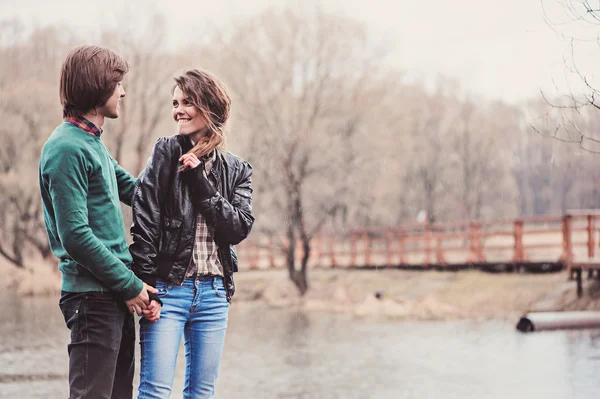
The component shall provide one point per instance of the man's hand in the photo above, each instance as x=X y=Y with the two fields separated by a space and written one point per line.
x=152 y=313
x=141 y=302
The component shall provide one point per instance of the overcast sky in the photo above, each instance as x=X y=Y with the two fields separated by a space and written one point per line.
x=498 y=49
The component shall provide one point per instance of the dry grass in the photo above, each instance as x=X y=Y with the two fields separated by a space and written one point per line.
x=415 y=294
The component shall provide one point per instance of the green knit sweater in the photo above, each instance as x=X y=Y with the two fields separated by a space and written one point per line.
x=81 y=185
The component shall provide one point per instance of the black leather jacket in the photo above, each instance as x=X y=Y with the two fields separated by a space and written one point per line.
x=164 y=215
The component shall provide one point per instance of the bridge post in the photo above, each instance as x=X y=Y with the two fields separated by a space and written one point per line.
x=352 y=249
x=591 y=228
x=315 y=258
x=579 y=272
x=332 y=250
x=255 y=251
x=591 y=246
x=389 y=234
x=519 y=249
x=475 y=244
x=367 y=246
x=427 y=235
x=271 y=252
x=567 y=255
x=441 y=260
x=401 y=247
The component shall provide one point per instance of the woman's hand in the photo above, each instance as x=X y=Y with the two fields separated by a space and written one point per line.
x=197 y=180
x=189 y=161
x=152 y=312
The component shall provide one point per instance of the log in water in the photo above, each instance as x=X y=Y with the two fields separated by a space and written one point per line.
x=539 y=321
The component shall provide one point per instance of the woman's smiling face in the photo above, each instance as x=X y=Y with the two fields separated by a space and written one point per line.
x=190 y=121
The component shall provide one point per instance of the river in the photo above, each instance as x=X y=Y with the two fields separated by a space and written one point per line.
x=289 y=354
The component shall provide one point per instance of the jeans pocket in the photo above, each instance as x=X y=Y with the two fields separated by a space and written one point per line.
x=102 y=299
x=163 y=288
x=71 y=308
x=219 y=288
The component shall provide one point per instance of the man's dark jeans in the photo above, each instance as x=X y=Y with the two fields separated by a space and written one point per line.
x=101 y=352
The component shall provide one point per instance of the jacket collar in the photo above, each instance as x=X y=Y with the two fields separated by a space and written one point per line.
x=218 y=164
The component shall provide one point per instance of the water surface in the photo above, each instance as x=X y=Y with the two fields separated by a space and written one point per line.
x=286 y=354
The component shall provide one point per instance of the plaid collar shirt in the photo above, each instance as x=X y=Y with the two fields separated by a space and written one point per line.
x=84 y=125
x=205 y=257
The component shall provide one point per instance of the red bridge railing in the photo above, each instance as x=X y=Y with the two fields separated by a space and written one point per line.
x=568 y=241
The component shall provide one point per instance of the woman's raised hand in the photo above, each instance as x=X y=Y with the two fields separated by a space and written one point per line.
x=189 y=161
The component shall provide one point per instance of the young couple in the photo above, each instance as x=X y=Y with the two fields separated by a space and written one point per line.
x=191 y=205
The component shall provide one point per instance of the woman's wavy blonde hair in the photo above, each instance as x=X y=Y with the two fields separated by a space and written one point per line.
x=209 y=95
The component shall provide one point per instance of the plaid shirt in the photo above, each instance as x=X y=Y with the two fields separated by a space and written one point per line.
x=84 y=125
x=205 y=257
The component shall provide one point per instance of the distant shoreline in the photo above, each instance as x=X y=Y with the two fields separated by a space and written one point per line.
x=402 y=294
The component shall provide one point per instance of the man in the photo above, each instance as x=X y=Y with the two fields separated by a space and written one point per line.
x=81 y=185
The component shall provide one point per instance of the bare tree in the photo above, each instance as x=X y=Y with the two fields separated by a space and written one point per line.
x=546 y=172
x=29 y=65
x=578 y=26
x=433 y=123
x=481 y=168
x=302 y=83
x=21 y=225
x=147 y=86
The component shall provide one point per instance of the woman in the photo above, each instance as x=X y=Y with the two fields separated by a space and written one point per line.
x=192 y=203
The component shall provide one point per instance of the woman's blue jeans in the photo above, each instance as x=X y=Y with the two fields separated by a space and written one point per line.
x=196 y=310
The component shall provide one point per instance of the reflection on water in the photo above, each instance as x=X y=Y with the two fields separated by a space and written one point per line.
x=278 y=354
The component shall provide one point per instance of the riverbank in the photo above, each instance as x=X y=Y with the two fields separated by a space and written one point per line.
x=383 y=293
x=422 y=295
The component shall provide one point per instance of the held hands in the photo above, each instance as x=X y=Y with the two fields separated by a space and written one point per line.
x=195 y=177
x=152 y=313
x=142 y=301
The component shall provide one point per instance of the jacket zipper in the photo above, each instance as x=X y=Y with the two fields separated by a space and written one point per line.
x=192 y=254
x=219 y=250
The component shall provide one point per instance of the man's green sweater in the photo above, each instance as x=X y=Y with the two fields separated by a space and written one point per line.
x=81 y=185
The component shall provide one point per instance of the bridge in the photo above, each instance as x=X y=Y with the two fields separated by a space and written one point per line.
x=536 y=244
